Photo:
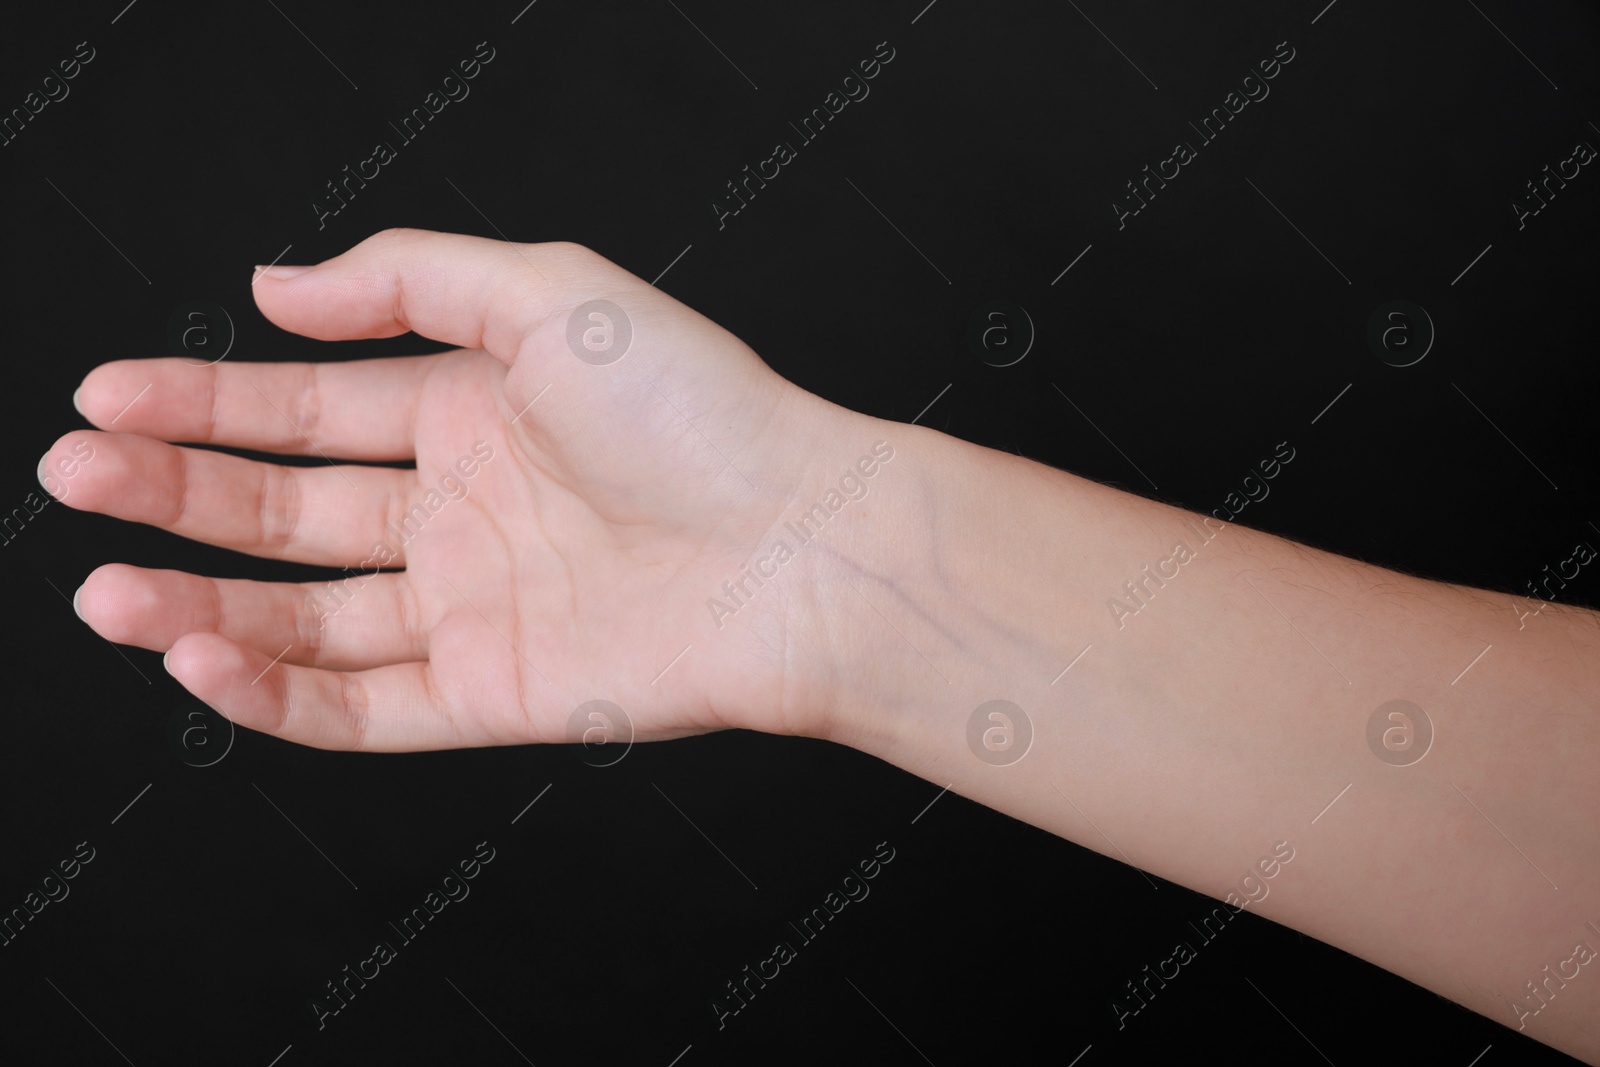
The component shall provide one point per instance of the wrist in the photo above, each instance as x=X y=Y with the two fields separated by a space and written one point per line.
x=938 y=594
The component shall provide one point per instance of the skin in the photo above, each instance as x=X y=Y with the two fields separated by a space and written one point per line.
x=581 y=560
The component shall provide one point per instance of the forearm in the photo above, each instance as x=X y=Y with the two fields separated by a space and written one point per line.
x=1223 y=702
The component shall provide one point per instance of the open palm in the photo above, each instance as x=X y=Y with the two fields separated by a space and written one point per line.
x=587 y=476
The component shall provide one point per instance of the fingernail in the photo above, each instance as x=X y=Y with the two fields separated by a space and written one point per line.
x=75 y=605
x=282 y=271
x=77 y=402
x=166 y=661
x=44 y=459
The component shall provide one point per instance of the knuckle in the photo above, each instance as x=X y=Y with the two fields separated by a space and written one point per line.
x=354 y=709
x=305 y=407
x=394 y=235
x=571 y=248
x=579 y=260
x=310 y=620
x=593 y=262
x=410 y=615
x=278 y=509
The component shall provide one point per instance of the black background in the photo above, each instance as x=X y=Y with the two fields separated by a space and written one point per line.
x=1207 y=330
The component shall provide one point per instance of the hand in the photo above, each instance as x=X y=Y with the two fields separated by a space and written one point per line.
x=593 y=514
x=604 y=506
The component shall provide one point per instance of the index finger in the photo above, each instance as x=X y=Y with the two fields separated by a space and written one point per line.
x=361 y=410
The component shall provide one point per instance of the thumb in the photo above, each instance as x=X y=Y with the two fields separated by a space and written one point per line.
x=471 y=292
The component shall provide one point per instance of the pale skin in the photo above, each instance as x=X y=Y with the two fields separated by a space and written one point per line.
x=581 y=559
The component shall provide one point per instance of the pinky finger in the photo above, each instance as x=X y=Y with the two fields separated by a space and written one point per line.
x=385 y=709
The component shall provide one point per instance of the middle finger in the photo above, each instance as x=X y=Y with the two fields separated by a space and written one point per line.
x=325 y=515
